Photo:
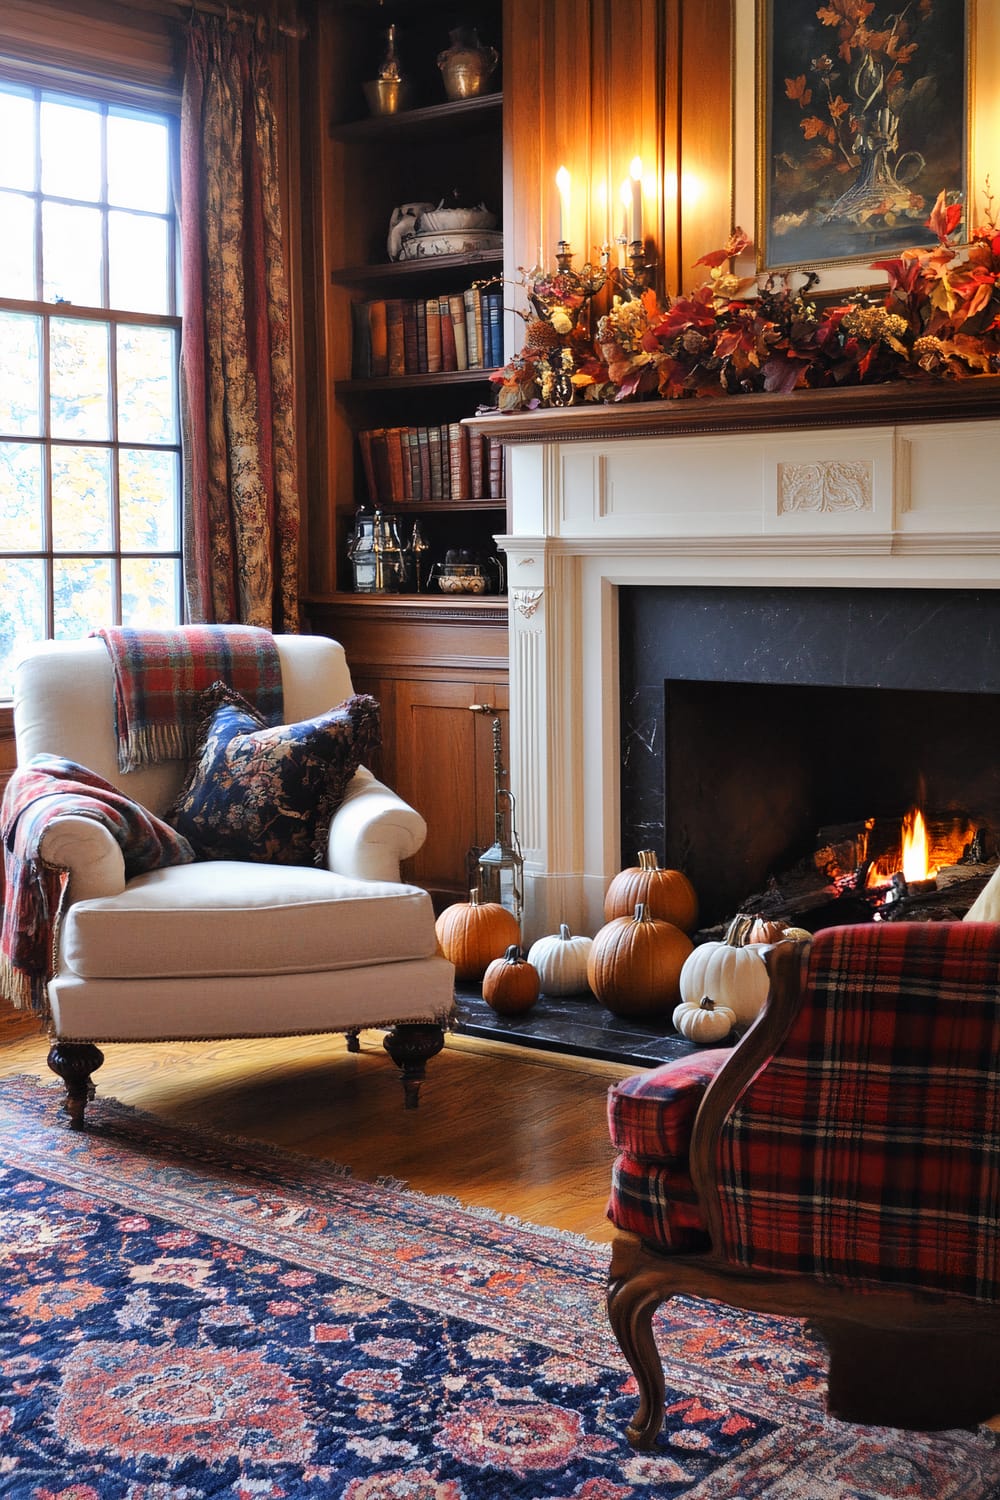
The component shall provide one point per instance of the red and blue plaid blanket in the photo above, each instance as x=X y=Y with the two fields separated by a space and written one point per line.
x=46 y=788
x=160 y=674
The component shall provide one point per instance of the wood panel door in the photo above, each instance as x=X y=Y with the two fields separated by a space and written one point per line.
x=443 y=754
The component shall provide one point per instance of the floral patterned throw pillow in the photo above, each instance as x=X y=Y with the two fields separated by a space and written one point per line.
x=267 y=794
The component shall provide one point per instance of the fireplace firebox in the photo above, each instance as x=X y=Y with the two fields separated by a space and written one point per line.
x=752 y=718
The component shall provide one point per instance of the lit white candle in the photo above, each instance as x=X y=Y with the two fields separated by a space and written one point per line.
x=562 y=183
x=636 y=170
x=626 y=202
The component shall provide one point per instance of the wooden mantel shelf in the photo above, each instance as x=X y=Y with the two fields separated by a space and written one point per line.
x=973 y=399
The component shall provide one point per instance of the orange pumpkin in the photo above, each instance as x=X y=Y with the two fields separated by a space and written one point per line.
x=667 y=895
x=510 y=984
x=472 y=933
x=635 y=965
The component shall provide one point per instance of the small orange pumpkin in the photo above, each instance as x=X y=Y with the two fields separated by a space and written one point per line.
x=510 y=984
x=635 y=965
x=472 y=933
x=667 y=895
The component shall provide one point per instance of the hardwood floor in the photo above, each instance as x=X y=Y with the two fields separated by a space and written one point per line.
x=498 y=1126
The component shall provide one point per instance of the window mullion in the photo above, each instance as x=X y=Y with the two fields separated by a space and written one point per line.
x=48 y=538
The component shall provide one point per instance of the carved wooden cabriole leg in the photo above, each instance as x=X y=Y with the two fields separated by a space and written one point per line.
x=411 y=1046
x=353 y=1044
x=633 y=1296
x=74 y=1062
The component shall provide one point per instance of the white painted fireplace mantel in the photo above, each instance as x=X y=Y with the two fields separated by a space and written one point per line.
x=885 y=488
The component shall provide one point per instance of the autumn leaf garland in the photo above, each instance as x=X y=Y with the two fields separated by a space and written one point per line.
x=939 y=318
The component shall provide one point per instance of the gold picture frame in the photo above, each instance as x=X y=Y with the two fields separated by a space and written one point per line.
x=860 y=121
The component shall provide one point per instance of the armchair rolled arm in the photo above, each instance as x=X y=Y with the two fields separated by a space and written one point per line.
x=372 y=831
x=90 y=853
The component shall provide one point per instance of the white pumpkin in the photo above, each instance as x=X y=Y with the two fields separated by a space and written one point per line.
x=733 y=977
x=704 y=1022
x=561 y=962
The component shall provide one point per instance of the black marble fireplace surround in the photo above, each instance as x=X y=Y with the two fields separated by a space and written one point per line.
x=751 y=717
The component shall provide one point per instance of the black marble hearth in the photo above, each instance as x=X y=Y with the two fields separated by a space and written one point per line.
x=751 y=717
x=574 y=1024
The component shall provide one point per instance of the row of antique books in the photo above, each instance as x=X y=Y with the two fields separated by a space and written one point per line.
x=437 y=462
x=425 y=335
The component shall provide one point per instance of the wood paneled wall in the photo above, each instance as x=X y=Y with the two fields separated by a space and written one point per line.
x=590 y=84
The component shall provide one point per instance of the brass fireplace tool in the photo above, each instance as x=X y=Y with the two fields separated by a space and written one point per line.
x=501 y=866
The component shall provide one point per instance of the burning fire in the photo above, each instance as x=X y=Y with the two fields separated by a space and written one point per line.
x=916 y=848
x=918 y=859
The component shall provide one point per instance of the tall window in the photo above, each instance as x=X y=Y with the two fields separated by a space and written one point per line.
x=90 y=475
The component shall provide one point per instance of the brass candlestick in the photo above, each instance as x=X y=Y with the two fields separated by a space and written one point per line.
x=632 y=280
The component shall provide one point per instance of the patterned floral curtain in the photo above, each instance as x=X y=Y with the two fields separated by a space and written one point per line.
x=241 y=499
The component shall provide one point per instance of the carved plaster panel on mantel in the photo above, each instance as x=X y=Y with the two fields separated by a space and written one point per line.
x=829 y=487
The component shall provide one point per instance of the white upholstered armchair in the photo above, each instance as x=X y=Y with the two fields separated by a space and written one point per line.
x=223 y=948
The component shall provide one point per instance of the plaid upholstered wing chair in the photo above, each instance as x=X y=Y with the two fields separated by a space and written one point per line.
x=841 y=1164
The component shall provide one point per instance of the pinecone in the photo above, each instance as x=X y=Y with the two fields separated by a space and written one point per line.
x=540 y=336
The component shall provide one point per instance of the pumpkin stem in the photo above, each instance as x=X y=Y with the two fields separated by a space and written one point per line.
x=640 y=913
x=513 y=954
x=564 y=931
x=648 y=860
x=736 y=932
x=706 y=1004
x=474 y=896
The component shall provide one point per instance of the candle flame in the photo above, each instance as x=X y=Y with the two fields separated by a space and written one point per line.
x=562 y=180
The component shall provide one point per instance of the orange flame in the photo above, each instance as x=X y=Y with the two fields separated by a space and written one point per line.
x=916 y=847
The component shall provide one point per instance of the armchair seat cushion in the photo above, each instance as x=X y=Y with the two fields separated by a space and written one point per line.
x=651 y=1116
x=226 y=917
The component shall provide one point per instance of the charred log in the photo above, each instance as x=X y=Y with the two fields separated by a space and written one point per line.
x=829 y=888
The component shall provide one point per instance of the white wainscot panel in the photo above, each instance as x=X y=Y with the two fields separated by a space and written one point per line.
x=954 y=477
x=684 y=487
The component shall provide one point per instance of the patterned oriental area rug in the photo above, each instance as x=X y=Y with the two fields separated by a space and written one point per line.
x=187 y=1316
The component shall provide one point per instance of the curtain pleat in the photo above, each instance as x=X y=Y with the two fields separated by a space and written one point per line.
x=241 y=497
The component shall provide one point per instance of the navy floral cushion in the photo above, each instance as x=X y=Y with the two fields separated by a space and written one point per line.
x=267 y=794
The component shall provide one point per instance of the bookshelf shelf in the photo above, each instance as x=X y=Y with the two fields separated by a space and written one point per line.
x=375 y=385
x=429 y=270
x=435 y=122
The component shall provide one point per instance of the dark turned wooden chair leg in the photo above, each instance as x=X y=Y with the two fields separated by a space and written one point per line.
x=353 y=1042
x=411 y=1046
x=74 y=1062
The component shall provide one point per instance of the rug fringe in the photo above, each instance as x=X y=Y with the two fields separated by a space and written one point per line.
x=111 y=1106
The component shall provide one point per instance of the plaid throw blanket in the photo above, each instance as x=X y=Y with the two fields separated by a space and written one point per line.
x=160 y=674
x=46 y=788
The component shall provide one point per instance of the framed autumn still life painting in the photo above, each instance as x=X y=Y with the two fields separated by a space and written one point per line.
x=863 y=118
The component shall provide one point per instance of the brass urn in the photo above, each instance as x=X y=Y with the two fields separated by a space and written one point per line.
x=467 y=65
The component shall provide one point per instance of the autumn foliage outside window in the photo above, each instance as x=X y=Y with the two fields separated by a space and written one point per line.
x=89 y=439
